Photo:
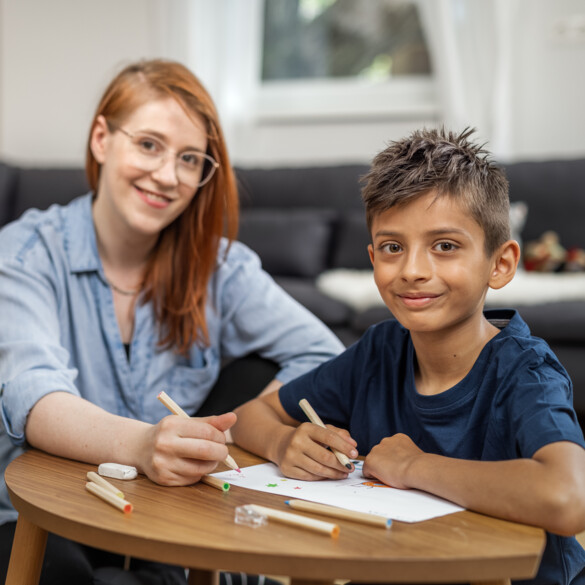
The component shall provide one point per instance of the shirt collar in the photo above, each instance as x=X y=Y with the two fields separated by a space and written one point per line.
x=79 y=236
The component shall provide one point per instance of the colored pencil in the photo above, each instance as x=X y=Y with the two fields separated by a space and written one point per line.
x=334 y=511
x=314 y=418
x=215 y=482
x=297 y=520
x=109 y=497
x=176 y=409
x=96 y=478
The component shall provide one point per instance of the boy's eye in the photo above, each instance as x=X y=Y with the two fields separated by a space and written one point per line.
x=445 y=246
x=391 y=248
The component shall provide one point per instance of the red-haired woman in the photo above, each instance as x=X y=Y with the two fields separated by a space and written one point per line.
x=135 y=288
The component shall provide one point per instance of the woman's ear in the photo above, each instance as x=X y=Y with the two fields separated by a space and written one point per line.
x=99 y=138
x=506 y=260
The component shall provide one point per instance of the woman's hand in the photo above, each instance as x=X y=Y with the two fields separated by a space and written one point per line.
x=179 y=451
x=303 y=452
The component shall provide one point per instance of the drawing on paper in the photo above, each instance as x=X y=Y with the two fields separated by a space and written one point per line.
x=354 y=493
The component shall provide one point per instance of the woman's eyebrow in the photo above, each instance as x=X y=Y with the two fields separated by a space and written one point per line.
x=163 y=138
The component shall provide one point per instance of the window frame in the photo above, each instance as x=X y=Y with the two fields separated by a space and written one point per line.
x=323 y=99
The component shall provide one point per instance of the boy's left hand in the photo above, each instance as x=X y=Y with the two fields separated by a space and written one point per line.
x=389 y=460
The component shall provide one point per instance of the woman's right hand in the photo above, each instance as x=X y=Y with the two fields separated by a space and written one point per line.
x=179 y=451
x=305 y=452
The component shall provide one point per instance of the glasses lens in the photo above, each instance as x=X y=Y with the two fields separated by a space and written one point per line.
x=193 y=168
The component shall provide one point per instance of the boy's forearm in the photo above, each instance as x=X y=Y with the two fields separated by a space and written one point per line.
x=260 y=430
x=521 y=490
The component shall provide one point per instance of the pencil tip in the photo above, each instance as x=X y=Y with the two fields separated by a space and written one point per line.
x=238 y=470
x=287 y=502
x=349 y=465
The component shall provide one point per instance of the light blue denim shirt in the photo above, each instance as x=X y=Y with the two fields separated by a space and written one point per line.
x=58 y=329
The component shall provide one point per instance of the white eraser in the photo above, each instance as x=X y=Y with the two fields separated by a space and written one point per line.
x=117 y=471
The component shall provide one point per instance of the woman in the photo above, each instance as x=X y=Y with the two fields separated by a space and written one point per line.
x=135 y=288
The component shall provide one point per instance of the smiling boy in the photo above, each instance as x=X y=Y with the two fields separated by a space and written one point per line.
x=445 y=398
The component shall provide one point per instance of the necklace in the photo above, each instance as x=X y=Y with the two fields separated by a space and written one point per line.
x=128 y=293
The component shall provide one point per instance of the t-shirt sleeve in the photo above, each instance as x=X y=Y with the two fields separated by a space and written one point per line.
x=330 y=388
x=540 y=405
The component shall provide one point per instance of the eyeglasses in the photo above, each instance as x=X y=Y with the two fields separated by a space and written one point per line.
x=148 y=153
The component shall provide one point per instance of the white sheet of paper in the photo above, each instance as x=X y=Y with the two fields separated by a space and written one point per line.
x=354 y=493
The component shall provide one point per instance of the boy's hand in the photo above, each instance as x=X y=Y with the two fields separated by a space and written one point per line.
x=303 y=452
x=389 y=460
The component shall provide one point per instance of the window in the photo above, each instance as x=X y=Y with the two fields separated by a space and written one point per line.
x=350 y=58
x=371 y=39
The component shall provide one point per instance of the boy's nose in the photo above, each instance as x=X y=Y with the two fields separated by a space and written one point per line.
x=417 y=265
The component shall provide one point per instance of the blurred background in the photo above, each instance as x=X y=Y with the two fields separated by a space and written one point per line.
x=305 y=82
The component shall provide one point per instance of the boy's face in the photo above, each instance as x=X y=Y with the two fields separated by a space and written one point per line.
x=430 y=264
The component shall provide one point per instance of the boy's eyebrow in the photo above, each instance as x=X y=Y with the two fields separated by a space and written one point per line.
x=436 y=232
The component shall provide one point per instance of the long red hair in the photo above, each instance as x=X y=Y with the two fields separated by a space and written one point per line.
x=185 y=256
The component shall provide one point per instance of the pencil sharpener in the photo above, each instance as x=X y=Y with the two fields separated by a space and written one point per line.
x=247 y=516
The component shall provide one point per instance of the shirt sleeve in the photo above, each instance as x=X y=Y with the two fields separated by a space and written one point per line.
x=33 y=361
x=258 y=316
x=330 y=388
x=539 y=404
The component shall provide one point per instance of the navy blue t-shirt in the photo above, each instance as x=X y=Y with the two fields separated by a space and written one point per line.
x=516 y=399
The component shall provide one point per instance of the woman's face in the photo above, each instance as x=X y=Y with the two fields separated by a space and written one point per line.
x=130 y=197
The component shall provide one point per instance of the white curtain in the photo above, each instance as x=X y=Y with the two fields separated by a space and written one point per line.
x=470 y=42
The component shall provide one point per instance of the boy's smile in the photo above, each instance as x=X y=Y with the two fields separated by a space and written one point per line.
x=430 y=264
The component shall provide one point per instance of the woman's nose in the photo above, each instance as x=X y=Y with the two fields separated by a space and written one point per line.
x=166 y=173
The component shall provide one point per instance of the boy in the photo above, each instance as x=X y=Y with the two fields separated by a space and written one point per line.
x=445 y=398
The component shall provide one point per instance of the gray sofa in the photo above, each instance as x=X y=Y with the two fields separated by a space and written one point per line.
x=305 y=221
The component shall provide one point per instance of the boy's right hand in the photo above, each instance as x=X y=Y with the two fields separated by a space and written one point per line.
x=303 y=452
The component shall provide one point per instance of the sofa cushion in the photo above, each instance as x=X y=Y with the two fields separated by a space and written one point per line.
x=332 y=312
x=556 y=321
x=41 y=188
x=291 y=243
x=8 y=177
x=335 y=187
x=350 y=247
x=555 y=194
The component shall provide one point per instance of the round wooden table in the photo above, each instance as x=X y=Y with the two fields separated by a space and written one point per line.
x=194 y=527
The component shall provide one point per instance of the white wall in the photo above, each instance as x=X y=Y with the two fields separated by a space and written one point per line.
x=548 y=107
x=57 y=55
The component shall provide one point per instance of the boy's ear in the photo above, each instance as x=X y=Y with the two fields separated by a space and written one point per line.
x=371 y=253
x=99 y=135
x=506 y=260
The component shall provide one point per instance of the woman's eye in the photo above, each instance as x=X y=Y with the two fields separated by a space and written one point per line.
x=149 y=145
x=192 y=159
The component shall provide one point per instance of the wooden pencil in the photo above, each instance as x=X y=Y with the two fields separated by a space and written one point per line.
x=109 y=497
x=96 y=478
x=215 y=482
x=176 y=409
x=297 y=520
x=315 y=419
x=335 y=512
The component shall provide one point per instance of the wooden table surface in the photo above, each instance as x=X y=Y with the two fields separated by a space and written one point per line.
x=194 y=527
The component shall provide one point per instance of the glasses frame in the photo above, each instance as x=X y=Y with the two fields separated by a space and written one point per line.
x=214 y=164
